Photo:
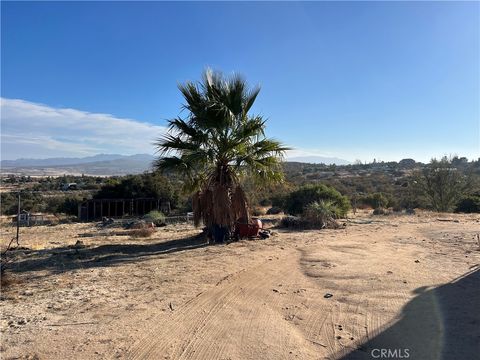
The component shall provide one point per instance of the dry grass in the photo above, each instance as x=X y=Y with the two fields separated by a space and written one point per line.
x=141 y=233
x=8 y=281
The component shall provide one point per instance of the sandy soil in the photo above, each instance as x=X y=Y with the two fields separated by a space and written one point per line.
x=404 y=283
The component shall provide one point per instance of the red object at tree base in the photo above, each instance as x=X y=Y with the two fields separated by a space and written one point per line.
x=248 y=230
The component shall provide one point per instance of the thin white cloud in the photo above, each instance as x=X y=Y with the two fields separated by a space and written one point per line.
x=31 y=130
x=299 y=152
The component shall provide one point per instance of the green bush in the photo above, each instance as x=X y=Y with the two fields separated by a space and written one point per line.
x=156 y=217
x=298 y=200
x=279 y=201
x=62 y=204
x=443 y=184
x=148 y=185
x=375 y=200
x=469 y=204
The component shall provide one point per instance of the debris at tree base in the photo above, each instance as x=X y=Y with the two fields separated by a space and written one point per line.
x=248 y=229
x=264 y=234
x=139 y=224
x=107 y=221
x=221 y=234
x=306 y=222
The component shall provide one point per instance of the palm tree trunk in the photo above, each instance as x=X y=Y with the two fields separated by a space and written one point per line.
x=220 y=205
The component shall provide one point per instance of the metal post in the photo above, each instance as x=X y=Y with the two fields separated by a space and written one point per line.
x=18 y=219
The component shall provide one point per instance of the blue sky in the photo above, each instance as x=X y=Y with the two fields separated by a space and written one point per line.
x=354 y=80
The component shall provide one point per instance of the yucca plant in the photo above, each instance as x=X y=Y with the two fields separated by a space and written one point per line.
x=218 y=144
x=321 y=213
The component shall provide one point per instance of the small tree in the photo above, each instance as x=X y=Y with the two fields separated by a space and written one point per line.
x=443 y=184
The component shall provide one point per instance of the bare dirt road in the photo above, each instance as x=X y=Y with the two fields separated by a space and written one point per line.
x=405 y=284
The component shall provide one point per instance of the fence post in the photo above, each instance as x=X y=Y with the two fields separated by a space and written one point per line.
x=18 y=218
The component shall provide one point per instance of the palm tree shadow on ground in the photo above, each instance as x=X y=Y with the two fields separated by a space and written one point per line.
x=69 y=258
x=439 y=323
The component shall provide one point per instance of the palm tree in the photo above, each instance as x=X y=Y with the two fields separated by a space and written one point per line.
x=217 y=145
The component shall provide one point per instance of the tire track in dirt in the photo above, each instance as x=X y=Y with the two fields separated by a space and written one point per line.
x=245 y=317
x=226 y=320
x=371 y=287
x=277 y=309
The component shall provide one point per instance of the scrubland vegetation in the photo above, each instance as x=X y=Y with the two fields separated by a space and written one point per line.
x=446 y=185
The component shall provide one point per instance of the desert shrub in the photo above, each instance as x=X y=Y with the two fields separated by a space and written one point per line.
x=469 y=204
x=293 y=222
x=397 y=208
x=380 y=211
x=375 y=200
x=37 y=202
x=148 y=185
x=145 y=232
x=156 y=217
x=274 y=210
x=443 y=184
x=298 y=200
x=279 y=201
x=69 y=205
x=33 y=202
x=320 y=214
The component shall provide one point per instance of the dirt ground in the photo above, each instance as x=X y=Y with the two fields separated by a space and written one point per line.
x=398 y=285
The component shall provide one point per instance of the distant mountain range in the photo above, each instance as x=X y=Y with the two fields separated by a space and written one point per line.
x=109 y=164
x=70 y=161
x=319 y=160
x=102 y=164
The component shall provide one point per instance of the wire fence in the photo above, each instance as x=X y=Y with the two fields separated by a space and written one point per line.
x=38 y=235
x=188 y=218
